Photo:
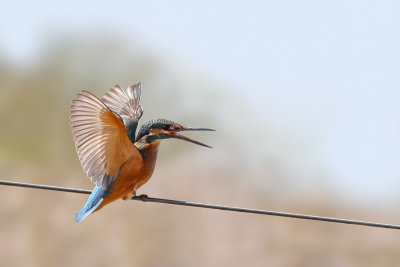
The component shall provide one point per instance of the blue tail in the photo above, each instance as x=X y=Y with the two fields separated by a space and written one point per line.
x=92 y=203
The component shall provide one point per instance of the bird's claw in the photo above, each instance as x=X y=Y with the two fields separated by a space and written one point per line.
x=142 y=197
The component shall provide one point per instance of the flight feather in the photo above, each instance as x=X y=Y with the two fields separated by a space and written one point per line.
x=100 y=139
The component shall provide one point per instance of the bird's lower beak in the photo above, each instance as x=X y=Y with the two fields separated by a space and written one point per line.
x=187 y=128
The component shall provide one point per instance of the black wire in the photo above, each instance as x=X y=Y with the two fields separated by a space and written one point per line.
x=210 y=206
x=46 y=187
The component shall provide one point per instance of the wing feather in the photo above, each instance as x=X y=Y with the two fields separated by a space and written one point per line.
x=125 y=103
x=98 y=132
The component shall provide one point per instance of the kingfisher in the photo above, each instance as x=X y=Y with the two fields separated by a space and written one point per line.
x=116 y=159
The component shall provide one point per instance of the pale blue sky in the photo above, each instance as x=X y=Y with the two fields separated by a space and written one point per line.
x=328 y=71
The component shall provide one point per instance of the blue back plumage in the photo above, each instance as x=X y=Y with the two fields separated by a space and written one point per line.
x=92 y=203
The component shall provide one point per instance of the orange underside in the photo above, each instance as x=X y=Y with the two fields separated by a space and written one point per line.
x=127 y=181
x=132 y=175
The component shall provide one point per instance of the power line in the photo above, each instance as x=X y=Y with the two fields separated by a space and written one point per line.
x=46 y=187
x=211 y=206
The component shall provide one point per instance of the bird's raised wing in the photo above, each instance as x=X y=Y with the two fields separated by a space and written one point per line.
x=125 y=103
x=100 y=139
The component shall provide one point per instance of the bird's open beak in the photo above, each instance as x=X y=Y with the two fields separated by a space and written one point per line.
x=187 y=128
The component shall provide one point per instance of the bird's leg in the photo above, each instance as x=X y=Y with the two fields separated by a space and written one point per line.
x=130 y=195
x=142 y=197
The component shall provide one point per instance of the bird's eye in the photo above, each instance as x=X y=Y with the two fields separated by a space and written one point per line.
x=166 y=127
x=174 y=128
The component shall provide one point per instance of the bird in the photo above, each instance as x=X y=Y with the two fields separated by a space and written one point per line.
x=116 y=159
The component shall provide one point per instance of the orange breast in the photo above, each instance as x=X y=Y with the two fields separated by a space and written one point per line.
x=132 y=174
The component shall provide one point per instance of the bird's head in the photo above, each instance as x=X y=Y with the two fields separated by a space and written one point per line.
x=159 y=129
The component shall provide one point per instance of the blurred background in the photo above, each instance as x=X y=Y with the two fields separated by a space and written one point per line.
x=304 y=97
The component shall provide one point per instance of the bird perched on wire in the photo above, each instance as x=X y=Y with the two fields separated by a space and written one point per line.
x=116 y=160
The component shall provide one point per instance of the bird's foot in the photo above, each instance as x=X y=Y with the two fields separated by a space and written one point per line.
x=130 y=195
x=142 y=197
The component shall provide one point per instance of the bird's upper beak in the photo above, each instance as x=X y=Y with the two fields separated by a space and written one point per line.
x=175 y=134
